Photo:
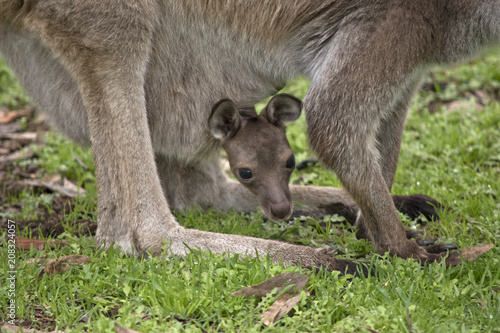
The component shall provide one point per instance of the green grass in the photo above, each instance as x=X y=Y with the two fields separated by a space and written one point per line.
x=11 y=94
x=453 y=156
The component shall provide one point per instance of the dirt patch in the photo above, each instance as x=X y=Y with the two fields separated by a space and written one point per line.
x=40 y=320
x=48 y=222
x=465 y=96
x=17 y=174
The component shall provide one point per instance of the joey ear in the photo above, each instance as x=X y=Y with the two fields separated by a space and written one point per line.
x=224 y=119
x=282 y=108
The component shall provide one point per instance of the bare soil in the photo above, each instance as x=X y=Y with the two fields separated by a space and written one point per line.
x=15 y=177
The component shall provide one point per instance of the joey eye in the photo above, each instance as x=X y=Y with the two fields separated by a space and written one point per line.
x=245 y=174
x=290 y=163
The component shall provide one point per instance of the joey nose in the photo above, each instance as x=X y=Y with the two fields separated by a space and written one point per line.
x=281 y=210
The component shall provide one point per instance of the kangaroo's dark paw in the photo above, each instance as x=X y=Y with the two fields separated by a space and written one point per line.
x=417 y=237
x=451 y=258
x=414 y=206
x=426 y=242
x=439 y=248
x=349 y=212
x=430 y=245
x=417 y=205
x=328 y=250
x=410 y=249
x=324 y=258
x=305 y=163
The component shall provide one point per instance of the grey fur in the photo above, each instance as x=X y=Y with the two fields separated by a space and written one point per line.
x=136 y=80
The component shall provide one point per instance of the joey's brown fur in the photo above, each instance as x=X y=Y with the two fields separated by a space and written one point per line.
x=137 y=79
x=258 y=151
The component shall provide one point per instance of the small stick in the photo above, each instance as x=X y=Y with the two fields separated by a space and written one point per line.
x=79 y=161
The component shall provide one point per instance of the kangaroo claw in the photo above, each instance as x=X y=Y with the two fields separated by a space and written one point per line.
x=438 y=248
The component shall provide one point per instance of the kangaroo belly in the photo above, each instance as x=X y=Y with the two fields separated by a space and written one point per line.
x=191 y=67
x=47 y=82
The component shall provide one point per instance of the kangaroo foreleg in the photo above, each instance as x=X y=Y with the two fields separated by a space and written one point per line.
x=348 y=103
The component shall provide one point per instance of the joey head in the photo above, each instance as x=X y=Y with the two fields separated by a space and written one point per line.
x=257 y=148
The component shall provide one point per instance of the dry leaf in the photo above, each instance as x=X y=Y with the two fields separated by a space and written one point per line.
x=26 y=243
x=280 y=282
x=269 y=316
x=53 y=179
x=39 y=244
x=9 y=116
x=469 y=254
x=284 y=303
x=289 y=304
x=481 y=97
x=72 y=187
x=24 y=138
x=459 y=105
x=62 y=264
x=39 y=261
x=67 y=188
x=22 y=154
x=80 y=162
x=121 y=329
x=10 y=128
x=280 y=307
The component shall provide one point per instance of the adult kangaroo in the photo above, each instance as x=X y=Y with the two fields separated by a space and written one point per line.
x=136 y=80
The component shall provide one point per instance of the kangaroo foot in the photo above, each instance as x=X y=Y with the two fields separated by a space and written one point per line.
x=414 y=206
x=430 y=245
x=178 y=241
x=411 y=249
x=439 y=248
x=418 y=205
x=452 y=258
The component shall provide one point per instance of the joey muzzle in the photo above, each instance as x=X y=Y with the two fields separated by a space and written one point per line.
x=275 y=200
x=280 y=211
